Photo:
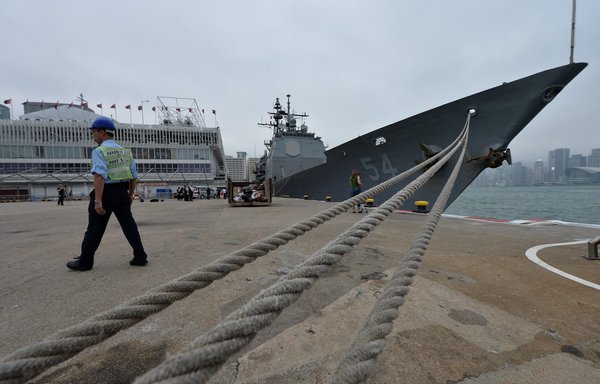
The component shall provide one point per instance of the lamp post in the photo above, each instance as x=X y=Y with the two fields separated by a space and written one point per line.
x=142 y=104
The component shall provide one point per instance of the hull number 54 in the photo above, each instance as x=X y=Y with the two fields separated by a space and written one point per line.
x=373 y=172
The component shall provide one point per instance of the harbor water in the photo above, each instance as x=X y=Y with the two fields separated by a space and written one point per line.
x=577 y=204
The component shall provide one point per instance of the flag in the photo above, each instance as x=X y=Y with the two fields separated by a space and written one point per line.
x=139 y=107
x=190 y=109
x=42 y=105
x=56 y=105
x=99 y=105
x=202 y=110
x=154 y=109
x=7 y=101
x=71 y=105
x=84 y=105
x=214 y=112
x=128 y=106
x=113 y=106
x=178 y=109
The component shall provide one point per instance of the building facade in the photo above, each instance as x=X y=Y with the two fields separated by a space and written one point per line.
x=237 y=167
x=38 y=153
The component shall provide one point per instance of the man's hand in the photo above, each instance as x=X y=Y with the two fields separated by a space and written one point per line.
x=98 y=207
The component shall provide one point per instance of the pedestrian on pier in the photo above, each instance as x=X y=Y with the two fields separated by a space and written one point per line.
x=62 y=193
x=115 y=177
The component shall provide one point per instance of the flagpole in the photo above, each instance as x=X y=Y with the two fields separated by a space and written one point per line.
x=130 y=117
x=142 y=105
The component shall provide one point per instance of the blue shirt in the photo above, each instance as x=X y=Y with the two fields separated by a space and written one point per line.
x=99 y=166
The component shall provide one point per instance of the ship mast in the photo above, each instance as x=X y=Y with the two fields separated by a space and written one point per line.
x=572 y=33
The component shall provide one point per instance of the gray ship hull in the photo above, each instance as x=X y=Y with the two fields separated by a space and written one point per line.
x=501 y=113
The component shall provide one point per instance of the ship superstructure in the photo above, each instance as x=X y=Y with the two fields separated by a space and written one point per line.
x=292 y=148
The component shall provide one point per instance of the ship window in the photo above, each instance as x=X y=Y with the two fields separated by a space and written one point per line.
x=379 y=141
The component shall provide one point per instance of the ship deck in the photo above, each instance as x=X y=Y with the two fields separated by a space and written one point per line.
x=479 y=311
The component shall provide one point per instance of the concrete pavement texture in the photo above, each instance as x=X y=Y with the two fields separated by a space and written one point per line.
x=478 y=311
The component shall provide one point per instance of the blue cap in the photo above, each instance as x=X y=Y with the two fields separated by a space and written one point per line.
x=103 y=123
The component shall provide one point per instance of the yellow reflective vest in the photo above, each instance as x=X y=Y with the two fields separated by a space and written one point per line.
x=118 y=161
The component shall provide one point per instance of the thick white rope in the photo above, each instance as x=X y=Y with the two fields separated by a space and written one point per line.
x=360 y=360
x=30 y=361
x=200 y=359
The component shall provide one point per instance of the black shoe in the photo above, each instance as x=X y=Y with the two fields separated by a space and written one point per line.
x=77 y=266
x=139 y=263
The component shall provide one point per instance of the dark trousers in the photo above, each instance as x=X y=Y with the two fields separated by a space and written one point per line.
x=115 y=199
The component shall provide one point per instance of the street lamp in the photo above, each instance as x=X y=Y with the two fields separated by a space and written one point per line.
x=142 y=104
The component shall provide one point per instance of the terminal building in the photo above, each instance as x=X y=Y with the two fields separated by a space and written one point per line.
x=51 y=144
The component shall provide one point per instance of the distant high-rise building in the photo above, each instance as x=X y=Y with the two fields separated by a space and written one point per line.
x=577 y=161
x=519 y=175
x=538 y=172
x=558 y=161
x=236 y=167
x=593 y=160
x=4 y=112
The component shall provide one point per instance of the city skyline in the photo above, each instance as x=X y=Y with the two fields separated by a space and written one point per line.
x=530 y=160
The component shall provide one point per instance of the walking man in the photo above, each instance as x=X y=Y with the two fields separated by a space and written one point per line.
x=115 y=176
x=61 y=194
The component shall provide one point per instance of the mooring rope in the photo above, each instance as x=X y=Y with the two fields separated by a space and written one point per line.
x=202 y=358
x=30 y=361
x=360 y=360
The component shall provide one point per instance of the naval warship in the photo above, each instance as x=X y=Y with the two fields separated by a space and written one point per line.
x=497 y=116
x=292 y=148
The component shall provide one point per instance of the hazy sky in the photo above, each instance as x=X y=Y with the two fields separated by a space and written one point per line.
x=353 y=66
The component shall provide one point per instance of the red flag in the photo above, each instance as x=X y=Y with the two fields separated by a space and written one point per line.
x=154 y=109
x=56 y=105
x=7 y=101
x=114 y=106
x=71 y=105
x=128 y=106
x=99 y=105
x=190 y=109
x=178 y=109
x=214 y=112
x=139 y=107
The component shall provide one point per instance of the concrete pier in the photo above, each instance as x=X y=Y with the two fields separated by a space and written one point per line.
x=479 y=310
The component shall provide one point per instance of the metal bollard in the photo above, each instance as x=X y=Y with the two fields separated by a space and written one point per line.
x=593 y=249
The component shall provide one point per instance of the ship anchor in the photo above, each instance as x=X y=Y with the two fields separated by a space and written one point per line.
x=495 y=158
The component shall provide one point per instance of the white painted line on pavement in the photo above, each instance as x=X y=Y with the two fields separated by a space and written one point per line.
x=531 y=254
